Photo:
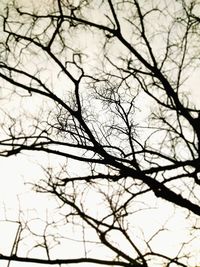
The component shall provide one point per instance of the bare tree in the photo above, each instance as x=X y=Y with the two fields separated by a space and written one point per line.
x=105 y=86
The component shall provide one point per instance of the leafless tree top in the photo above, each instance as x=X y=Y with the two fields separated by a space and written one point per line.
x=106 y=85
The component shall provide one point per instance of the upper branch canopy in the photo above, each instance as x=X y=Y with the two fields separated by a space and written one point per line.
x=106 y=84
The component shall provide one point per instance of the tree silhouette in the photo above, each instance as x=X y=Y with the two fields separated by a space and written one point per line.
x=104 y=85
